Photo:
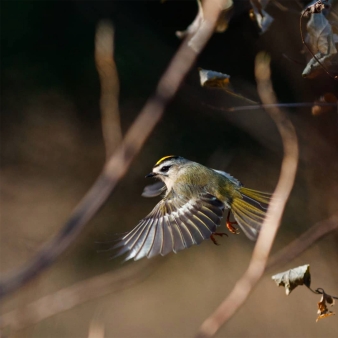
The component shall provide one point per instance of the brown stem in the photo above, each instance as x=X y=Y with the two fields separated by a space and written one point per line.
x=131 y=275
x=304 y=241
x=118 y=164
x=248 y=281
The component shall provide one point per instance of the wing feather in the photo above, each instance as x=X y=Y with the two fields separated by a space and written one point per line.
x=249 y=231
x=179 y=243
x=157 y=242
x=144 y=247
x=167 y=244
x=178 y=240
x=207 y=221
x=188 y=238
x=202 y=227
x=136 y=246
x=174 y=224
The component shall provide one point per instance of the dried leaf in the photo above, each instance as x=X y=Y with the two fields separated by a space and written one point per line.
x=330 y=300
x=313 y=67
x=323 y=311
x=292 y=278
x=320 y=36
x=320 y=39
x=326 y=98
x=317 y=7
x=263 y=19
x=328 y=314
x=210 y=78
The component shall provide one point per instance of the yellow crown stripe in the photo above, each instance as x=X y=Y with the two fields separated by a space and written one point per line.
x=163 y=159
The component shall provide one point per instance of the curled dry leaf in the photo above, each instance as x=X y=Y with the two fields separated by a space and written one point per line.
x=257 y=13
x=292 y=278
x=318 y=109
x=317 y=7
x=313 y=67
x=320 y=39
x=210 y=78
x=323 y=311
x=320 y=36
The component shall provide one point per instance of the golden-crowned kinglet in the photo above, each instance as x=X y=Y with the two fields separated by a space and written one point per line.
x=191 y=209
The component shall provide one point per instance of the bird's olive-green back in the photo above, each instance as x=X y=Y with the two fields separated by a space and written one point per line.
x=197 y=178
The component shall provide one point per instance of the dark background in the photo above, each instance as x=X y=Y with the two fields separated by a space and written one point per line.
x=52 y=151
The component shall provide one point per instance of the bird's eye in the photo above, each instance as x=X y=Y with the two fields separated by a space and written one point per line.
x=165 y=168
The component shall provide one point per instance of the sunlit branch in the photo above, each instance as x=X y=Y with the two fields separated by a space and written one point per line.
x=249 y=280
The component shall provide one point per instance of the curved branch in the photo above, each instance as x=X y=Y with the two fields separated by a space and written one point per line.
x=129 y=276
x=256 y=268
x=76 y=294
x=118 y=164
x=304 y=241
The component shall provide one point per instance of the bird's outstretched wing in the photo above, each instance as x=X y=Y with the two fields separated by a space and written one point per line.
x=173 y=225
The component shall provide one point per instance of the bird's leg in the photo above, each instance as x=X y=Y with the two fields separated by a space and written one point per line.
x=230 y=226
x=217 y=234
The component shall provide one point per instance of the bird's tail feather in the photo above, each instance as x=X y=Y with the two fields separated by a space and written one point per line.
x=249 y=210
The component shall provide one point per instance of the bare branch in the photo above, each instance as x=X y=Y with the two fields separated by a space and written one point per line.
x=131 y=275
x=304 y=241
x=256 y=268
x=76 y=294
x=119 y=162
x=110 y=88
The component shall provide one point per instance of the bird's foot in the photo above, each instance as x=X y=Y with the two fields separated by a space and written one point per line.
x=231 y=228
x=221 y=234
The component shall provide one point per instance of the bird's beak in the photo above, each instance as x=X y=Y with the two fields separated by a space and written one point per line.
x=150 y=175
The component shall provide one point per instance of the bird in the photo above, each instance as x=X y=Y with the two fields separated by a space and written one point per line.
x=195 y=198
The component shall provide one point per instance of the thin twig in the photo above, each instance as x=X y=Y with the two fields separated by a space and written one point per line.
x=321 y=291
x=110 y=88
x=282 y=105
x=118 y=164
x=256 y=268
x=293 y=60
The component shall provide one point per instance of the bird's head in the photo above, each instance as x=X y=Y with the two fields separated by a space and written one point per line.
x=167 y=169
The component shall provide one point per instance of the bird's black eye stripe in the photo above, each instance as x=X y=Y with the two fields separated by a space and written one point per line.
x=165 y=168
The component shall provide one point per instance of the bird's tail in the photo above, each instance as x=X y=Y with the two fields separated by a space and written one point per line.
x=249 y=210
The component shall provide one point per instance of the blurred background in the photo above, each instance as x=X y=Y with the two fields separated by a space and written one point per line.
x=52 y=151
